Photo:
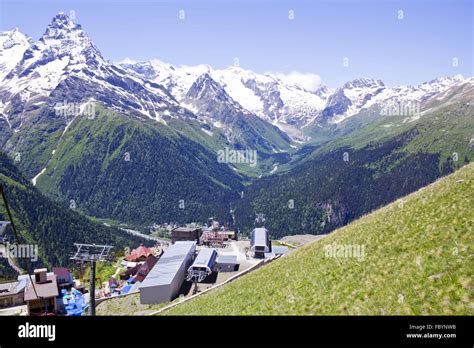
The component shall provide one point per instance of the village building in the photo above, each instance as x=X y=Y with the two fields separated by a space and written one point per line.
x=163 y=282
x=139 y=254
x=12 y=293
x=280 y=250
x=186 y=234
x=140 y=270
x=64 y=278
x=41 y=293
x=227 y=263
x=260 y=243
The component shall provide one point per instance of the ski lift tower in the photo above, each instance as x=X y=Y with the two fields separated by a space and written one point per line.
x=259 y=219
x=92 y=253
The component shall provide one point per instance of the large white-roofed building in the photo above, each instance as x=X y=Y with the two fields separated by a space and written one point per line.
x=163 y=282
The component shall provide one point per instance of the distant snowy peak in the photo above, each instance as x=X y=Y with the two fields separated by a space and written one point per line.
x=209 y=100
x=206 y=88
x=349 y=99
x=428 y=89
x=271 y=97
x=64 y=62
x=265 y=95
x=442 y=82
x=286 y=103
x=420 y=93
x=364 y=93
x=363 y=83
x=62 y=27
x=13 y=45
x=144 y=70
x=12 y=38
x=177 y=81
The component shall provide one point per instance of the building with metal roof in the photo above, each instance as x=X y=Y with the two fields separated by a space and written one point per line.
x=12 y=293
x=227 y=263
x=260 y=242
x=280 y=249
x=203 y=265
x=163 y=282
x=63 y=277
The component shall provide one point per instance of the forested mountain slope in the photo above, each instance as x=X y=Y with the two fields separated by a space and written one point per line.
x=114 y=166
x=45 y=223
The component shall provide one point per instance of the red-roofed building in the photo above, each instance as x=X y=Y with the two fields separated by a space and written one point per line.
x=146 y=267
x=139 y=254
x=63 y=277
x=141 y=270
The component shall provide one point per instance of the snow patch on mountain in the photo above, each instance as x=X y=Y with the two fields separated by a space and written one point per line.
x=13 y=45
x=277 y=98
x=65 y=62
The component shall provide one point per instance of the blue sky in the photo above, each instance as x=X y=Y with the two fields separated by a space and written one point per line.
x=417 y=48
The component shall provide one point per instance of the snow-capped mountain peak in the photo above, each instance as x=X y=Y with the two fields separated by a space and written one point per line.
x=64 y=58
x=206 y=95
x=349 y=99
x=283 y=103
x=365 y=93
x=204 y=84
x=65 y=62
x=63 y=48
x=363 y=83
x=15 y=37
x=62 y=38
x=13 y=45
x=60 y=25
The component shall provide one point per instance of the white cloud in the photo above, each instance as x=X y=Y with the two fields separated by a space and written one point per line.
x=308 y=81
x=127 y=60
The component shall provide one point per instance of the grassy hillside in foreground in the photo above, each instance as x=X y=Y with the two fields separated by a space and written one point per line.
x=417 y=261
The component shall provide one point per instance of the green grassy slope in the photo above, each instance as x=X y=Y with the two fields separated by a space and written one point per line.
x=417 y=261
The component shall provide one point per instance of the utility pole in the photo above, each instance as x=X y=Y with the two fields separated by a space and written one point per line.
x=92 y=290
x=92 y=253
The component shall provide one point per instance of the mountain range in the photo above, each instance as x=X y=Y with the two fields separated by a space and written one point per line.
x=142 y=147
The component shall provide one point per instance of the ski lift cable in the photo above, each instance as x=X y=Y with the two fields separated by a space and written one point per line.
x=17 y=238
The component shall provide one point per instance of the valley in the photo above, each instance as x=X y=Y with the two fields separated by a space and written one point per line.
x=133 y=153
